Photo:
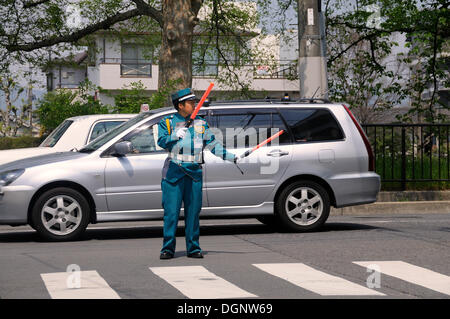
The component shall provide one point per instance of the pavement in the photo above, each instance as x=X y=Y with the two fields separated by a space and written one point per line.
x=368 y=257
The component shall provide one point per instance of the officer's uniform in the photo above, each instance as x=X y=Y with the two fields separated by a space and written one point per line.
x=182 y=176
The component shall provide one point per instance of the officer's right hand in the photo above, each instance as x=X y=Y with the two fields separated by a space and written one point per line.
x=181 y=132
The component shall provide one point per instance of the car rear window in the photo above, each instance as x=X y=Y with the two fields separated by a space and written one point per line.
x=312 y=125
x=54 y=136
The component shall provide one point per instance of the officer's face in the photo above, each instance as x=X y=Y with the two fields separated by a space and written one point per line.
x=187 y=107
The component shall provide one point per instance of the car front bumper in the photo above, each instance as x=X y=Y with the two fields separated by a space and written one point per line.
x=14 y=201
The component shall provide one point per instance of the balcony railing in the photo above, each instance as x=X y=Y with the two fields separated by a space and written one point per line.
x=67 y=85
x=282 y=69
x=131 y=67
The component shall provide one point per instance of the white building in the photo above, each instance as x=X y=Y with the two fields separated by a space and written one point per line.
x=113 y=62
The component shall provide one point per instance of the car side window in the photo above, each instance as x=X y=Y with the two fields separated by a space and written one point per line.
x=103 y=127
x=249 y=129
x=312 y=125
x=144 y=139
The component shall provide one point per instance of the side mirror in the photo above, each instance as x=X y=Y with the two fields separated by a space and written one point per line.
x=121 y=149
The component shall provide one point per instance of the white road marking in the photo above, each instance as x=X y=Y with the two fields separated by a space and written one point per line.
x=92 y=286
x=197 y=282
x=316 y=281
x=413 y=274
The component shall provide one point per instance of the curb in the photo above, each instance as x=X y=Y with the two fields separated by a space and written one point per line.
x=393 y=208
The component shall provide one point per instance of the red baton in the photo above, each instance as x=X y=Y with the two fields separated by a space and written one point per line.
x=247 y=153
x=199 y=105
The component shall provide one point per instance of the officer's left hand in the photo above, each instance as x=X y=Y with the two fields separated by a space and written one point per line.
x=236 y=159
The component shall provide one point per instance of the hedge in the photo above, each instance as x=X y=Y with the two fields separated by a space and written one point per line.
x=20 y=142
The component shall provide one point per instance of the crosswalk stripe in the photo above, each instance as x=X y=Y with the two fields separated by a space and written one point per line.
x=63 y=285
x=316 y=281
x=197 y=282
x=411 y=273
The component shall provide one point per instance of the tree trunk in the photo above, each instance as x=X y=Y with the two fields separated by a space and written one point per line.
x=175 y=61
x=8 y=111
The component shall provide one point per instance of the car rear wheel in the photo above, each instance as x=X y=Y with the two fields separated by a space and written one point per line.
x=61 y=214
x=303 y=206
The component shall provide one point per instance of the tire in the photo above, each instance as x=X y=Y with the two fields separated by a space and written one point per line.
x=303 y=206
x=60 y=214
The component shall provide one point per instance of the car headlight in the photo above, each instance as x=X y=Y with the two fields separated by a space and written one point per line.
x=8 y=177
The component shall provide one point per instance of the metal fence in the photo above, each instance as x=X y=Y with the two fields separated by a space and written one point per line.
x=410 y=153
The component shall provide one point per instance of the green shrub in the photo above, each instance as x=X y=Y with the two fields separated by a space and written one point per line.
x=59 y=105
x=20 y=142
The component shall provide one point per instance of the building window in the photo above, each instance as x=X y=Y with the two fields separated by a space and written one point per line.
x=68 y=77
x=205 y=60
x=49 y=81
x=136 y=60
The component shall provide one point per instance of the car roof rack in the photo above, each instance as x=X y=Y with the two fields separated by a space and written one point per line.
x=266 y=101
x=313 y=100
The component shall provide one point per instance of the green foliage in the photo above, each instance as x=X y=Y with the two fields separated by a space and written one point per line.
x=162 y=97
x=421 y=168
x=20 y=142
x=16 y=113
x=130 y=98
x=358 y=52
x=58 y=105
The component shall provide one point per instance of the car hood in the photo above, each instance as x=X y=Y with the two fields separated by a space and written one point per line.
x=41 y=160
x=7 y=156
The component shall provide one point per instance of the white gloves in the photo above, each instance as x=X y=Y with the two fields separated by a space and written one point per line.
x=181 y=132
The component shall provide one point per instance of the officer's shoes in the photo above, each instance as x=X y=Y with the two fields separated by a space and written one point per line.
x=195 y=255
x=166 y=255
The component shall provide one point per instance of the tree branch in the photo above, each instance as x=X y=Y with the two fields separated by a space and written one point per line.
x=372 y=51
x=416 y=28
x=73 y=37
x=366 y=37
x=31 y=4
x=148 y=10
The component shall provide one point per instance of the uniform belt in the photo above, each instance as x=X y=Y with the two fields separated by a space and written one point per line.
x=186 y=158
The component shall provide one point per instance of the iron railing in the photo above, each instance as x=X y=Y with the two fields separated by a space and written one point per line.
x=410 y=153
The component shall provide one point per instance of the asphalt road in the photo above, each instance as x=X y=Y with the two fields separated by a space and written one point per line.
x=243 y=259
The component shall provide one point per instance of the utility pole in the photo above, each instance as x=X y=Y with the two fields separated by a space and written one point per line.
x=312 y=50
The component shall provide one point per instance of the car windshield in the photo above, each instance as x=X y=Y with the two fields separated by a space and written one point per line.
x=54 y=136
x=103 y=139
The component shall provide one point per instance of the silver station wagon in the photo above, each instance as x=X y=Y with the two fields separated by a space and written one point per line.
x=322 y=159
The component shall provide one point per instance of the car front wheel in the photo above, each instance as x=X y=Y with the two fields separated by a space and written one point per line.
x=60 y=214
x=303 y=206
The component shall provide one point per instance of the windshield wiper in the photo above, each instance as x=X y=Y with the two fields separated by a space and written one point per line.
x=86 y=150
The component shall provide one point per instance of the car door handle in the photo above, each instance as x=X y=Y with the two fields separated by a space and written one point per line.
x=277 y=153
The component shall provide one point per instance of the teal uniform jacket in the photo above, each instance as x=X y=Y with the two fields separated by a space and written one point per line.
x=198 y=137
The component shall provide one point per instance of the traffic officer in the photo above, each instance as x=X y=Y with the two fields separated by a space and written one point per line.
x=182 y=171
